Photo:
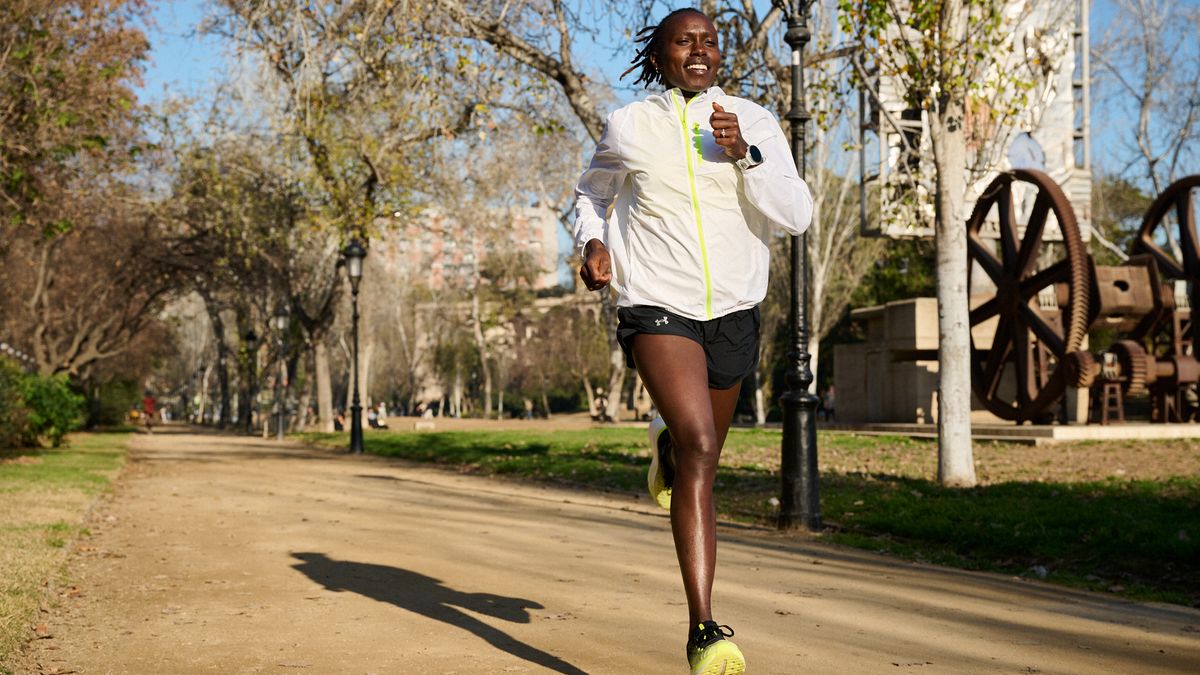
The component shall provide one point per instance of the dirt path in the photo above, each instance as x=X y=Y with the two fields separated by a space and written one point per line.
x=234 y=555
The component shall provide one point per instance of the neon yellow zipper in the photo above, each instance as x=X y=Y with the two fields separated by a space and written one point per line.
x=681 y=108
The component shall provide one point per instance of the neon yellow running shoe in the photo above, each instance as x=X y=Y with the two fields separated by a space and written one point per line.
x=661 y=475
x=709 y=653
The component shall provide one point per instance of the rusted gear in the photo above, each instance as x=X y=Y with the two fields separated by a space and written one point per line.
x=1081 y=369
x=1181 y=261
x=1018 y=281
x=1177 y=196
x=1136 y=365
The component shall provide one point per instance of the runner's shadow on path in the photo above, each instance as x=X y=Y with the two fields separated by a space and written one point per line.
x=428 y=597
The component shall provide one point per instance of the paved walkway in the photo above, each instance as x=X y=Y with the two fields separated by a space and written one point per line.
x=236 y=555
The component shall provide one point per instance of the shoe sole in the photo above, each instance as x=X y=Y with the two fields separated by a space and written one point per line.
x=727 y=661
x=659 y=492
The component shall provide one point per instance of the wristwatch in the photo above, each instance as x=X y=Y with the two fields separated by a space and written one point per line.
x=752 y=159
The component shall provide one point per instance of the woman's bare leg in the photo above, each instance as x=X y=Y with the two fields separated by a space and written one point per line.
x=675 y=373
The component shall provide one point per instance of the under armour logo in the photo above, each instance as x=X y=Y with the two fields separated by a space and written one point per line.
x=659 y=322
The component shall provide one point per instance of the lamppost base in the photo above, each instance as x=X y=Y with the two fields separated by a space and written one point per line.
x=356 y=431
x=800 y=501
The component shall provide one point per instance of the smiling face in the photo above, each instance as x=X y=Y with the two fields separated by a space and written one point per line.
x=689 y=55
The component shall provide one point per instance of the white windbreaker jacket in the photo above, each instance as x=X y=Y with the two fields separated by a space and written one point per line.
x=689 y=230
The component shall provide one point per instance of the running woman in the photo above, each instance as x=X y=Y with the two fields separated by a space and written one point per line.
x=695 y=179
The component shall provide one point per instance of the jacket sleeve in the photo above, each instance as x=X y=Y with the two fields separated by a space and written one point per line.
x=775 y=187
x=598 y=186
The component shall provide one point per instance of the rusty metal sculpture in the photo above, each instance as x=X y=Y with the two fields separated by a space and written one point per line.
x=1049 y=293
x=1029 y=343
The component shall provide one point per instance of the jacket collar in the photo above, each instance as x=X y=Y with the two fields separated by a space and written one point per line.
x=663 y=98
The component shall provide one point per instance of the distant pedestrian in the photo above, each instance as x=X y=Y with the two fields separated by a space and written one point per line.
x=149 y=409
x=374 y=419
x=828 y=399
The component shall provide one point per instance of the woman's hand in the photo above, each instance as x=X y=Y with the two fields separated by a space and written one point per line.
x=596 y=270
x=727 y=132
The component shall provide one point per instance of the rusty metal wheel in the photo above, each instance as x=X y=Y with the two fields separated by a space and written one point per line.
x=1169 y=235
x=1137 y=367
x=1081 y=369
x=1009 y=376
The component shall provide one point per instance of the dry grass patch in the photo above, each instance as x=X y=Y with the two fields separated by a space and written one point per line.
x=46 y=496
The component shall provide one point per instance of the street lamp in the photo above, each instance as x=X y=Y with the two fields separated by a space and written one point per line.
x=799 y=503
x=354 y=255
x=251 y=396
x=279 y=323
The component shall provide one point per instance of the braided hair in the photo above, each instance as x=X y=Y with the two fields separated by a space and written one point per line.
x=651 y=38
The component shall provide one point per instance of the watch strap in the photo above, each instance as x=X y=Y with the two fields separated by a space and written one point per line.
x=752 y=159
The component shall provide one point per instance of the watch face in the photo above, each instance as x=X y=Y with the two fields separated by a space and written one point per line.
x=754 y=154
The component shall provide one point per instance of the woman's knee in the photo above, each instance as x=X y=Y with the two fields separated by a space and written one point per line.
x=696 y=450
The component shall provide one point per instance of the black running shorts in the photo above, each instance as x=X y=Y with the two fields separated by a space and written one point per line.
x=730 y=342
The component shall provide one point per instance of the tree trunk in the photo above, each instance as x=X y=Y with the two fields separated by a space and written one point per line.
x=324 y=384
x=349 y=378
x=760 y=400
x=364 y=377
x=481 y=346
x=591 y=397
x=955 y=462
x=487 y=391
x=456 y=409
x=616 y=385
x=204 y=394
x=223 y=384
x=247 y=374
x=218 y=328
x=616 y=357
x=814 y=351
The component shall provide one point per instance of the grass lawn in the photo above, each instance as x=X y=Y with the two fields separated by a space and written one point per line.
x=1121 y=517
x=46 y=495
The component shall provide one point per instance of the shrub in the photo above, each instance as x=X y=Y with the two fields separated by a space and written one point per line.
x=54 y=407
x=33 y=407
x=13 y=412
x=110 y=401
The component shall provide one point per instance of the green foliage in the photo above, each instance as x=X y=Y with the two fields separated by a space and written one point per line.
x=905 y=270
x=109 y=402
x=1117 y=210
x=13 y=412
x=54 y=408
x=67 y=84
x=918 y=43
x=33 y=407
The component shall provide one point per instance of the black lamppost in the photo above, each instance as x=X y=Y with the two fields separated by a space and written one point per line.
x=279 y=323
x=799 y=503
x=354 y=255
x=251 y=395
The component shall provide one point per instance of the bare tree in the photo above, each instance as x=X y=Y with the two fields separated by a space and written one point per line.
x=79 y=297
x=358 y=86
x=1149 y=74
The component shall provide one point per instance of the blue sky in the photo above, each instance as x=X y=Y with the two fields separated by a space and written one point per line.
x=186 y=63
x=181 y=61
